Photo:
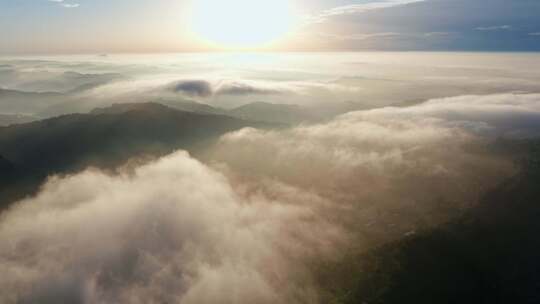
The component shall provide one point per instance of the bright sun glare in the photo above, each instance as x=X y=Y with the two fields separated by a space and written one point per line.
x=241 y=23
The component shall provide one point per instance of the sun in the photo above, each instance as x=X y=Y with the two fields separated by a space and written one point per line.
x=241 y=23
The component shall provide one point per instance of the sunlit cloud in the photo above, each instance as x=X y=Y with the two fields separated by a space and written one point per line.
x=192 y=234
x=179 y=230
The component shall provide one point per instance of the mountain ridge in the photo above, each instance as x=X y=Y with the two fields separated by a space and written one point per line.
x=106 y=139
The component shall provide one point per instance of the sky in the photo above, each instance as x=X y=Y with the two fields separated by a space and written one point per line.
x=144 y=26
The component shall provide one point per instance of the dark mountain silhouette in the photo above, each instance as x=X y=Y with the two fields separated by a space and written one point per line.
x=257 y=111
x=106 y=138
x=6 y=165
x=123 y=108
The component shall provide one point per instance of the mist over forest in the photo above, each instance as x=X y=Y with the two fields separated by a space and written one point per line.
x=270 y=178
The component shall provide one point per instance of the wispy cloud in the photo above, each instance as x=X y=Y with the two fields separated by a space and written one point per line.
x=64 y=4
x=494 y=28
x=534 y=34
x=359 y=36
x=71 y=5
x=358 y=8
x=437 y=34
x=379 y=36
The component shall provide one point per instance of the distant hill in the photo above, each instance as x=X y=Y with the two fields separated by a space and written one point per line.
x=86 y=105
x=186 y=106
x=257 y=111
x=192 y=106
x=13 y=101
x=123 y=108
x=288 y=114
x=108 y=137
x=7 y=119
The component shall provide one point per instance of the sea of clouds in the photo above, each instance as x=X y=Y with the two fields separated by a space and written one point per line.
x=249 y=219
x=366 y=80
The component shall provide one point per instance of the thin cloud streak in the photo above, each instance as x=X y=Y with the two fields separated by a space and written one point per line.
x=357 y=9
x=494 y=28
x=66 y=5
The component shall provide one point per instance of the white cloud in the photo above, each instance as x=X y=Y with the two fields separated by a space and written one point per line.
x=372 y=161
x=494 y=28
x=513 y=115
x=70 y=5
x=64 y=4
x=388 y=147
x=171 y=231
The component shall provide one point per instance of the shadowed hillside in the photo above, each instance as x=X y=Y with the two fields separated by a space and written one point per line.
x=106 y=139
x=5 y=165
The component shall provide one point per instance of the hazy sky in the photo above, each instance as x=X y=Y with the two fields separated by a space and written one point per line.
x=103 y=26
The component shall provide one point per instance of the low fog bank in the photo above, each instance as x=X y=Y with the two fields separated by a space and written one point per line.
x=321 y=85
x=251 y=222
x=391 y=171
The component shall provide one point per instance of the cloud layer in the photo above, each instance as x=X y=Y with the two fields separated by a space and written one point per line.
x=321 y=81
x=248 y=226
x=380 y=156
x=172 y=231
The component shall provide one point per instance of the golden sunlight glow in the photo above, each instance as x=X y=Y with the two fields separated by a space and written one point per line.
x=241 y=23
